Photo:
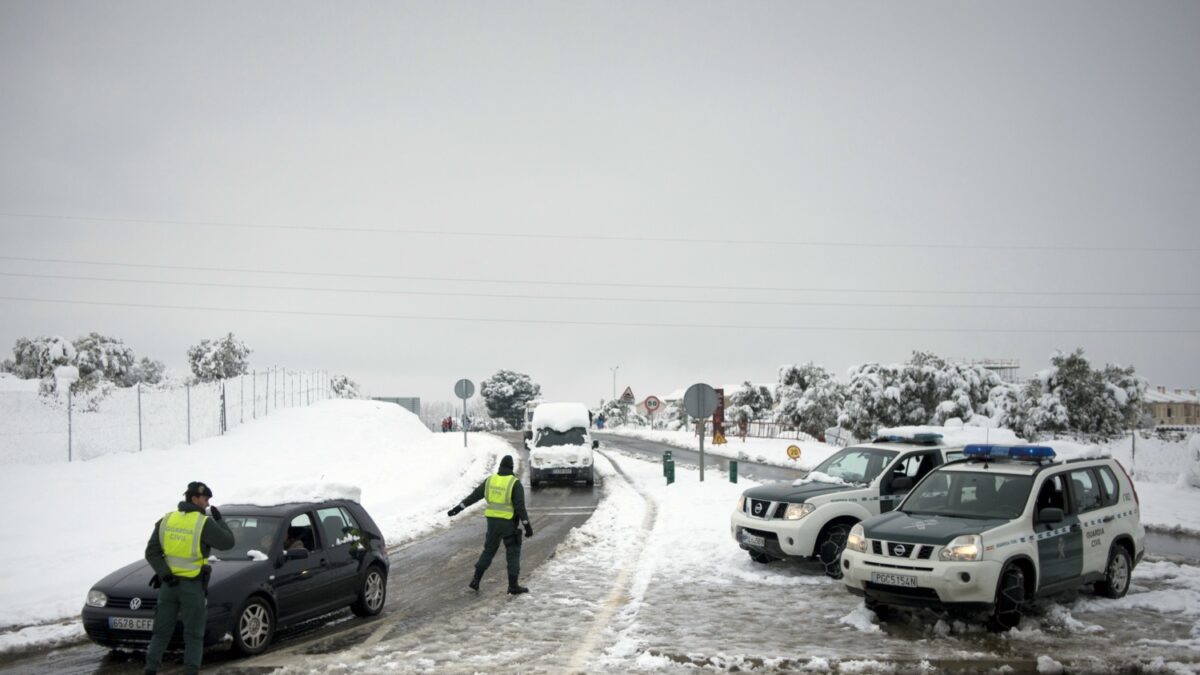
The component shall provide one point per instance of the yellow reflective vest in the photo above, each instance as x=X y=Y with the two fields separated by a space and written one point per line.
x=498 y=494
x=179 y=535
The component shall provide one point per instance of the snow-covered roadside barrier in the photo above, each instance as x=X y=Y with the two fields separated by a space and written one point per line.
x=104 y=509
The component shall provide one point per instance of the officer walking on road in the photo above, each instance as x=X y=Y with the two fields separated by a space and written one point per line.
x=177 y=550
x=505 y=506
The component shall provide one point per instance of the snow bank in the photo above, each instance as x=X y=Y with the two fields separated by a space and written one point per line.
x=561 y=417
x=772 y=451
x=380 y=453
x=955 y=433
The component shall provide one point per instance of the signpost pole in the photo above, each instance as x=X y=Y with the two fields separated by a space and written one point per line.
x=701 y=423
x=464 y=418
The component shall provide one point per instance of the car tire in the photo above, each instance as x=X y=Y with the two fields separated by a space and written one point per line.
x=761 y=558
x=254 y=627
x=1010 y=600
x=830 y=546
x=591 y=476
x=372 y=593
x=882 y=611
x=1116 y=573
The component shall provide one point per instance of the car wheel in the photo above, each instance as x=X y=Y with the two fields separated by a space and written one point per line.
x=591 y=476
x=830 y=547
x=1116 y=574
x=372 y=593
x=1010 y=600
x=760 y=557
x=882 y=611
x=255 y=627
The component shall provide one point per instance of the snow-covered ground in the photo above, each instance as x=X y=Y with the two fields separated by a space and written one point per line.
x=771 y=451
x=104 y=509
x=654 y=582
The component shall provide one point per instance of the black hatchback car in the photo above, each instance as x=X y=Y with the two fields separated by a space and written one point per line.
x=289 y=563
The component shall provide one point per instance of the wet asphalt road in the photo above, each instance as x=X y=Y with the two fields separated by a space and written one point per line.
x=428 y=580
x=654 y=451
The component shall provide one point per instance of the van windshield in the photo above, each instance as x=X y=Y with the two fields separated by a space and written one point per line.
x=548 y=437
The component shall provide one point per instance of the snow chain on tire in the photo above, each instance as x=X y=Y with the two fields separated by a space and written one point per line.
x=1010 y=600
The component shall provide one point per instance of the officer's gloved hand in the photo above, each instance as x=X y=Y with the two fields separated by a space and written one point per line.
x=455 y=511
x=214 y=512
x=171 y=580
x=155 y=582
x=528 y=530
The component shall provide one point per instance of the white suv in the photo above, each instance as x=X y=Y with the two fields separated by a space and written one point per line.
x=811 y=518
x=998 y=528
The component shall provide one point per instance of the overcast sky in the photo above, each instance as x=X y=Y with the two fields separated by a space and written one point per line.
x=1017 y=165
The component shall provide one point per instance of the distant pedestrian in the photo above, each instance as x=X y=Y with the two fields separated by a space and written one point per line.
x=505 y=507
x=178 y=552
x=743 y=427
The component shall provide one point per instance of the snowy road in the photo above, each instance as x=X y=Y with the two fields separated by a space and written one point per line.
x=653 y=451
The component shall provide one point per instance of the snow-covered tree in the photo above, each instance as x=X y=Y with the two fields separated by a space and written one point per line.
x=149 y=371
x=105 y=358
x=219 y=359
x=618 y=414
x=37 y=358
x=872 y=399
x=809 y=398
x=749 y=402
x=506 y=394
x=344 y=387
x=1072 y=397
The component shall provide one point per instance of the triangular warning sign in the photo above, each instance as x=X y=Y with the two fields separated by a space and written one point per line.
x=719 y=438
x=627 y=397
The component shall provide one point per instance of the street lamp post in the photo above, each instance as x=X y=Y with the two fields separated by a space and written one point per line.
x=614 y=372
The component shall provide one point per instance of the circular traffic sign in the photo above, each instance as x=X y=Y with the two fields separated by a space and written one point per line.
x=464 y=389
x=793 y=451
x=700 y=400
x=652 y=403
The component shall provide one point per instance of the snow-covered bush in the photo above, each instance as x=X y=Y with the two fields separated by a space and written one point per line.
x=219 y=359
x=1072 y=397
x=506 y=394
x=749 y=402
x=809 y=398
x=149 y=371
x=37 y=358
x=100 y=357
x=618 y=414
x=344 y=387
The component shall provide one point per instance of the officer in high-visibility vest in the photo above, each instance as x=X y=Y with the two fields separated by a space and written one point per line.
x=178 y=551
x=505 y=507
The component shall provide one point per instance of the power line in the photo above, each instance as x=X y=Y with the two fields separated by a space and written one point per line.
x=617 y=324
x=608 y=238
x=610 y=284
x=585 y=298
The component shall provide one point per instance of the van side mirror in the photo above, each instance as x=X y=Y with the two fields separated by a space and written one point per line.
x=595 y=444
x=903 y=483
x=1050 y=515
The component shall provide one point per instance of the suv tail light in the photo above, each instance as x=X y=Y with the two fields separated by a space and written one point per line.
x=1132 y=485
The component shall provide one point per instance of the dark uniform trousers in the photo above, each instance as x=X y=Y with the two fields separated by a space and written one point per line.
x=184 y=602
x=501 y=530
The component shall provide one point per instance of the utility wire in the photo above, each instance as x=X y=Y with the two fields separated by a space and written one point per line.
x=588 y=298
x=619 y=324
x=611 y=284
x=609 y=238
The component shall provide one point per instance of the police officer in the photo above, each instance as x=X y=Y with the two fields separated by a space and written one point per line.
x=177 y=550
x=505 y=506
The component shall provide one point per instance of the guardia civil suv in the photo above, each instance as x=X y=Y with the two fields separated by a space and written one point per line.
x=810 y=519
x=991 y=532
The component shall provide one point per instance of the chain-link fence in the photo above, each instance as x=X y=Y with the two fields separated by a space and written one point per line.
x=39 y=429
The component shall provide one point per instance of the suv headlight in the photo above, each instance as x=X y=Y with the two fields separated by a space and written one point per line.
x=798 y=511
x=96 y=598
x=857 y=539
x=741 y=506
x=966 y=547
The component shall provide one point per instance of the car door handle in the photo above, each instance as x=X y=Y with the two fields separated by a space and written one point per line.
x=1109 y=519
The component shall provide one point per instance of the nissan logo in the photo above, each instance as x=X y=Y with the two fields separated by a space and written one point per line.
x=758 y=507
x=135 y=603
x=899 y=550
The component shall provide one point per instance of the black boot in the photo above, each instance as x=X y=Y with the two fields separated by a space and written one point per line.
x=513 y=587
x=474 y=585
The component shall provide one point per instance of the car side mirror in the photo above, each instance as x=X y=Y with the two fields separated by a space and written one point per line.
x=1050 y=515
x=902 y=483
x=595 y=444
x=296 y=554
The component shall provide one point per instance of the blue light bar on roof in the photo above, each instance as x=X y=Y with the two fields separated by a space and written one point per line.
x=1035 y=453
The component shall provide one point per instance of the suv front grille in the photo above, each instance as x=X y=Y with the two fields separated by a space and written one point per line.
x=123 y=603
x=897 y=549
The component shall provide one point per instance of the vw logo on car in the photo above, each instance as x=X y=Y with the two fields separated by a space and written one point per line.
x=135 y=603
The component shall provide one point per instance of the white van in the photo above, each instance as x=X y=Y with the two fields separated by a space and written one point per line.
x=560 y=444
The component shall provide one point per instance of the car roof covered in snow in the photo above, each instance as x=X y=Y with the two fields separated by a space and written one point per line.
x=561 y=417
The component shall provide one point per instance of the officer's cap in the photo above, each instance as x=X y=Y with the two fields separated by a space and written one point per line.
x=198 y=489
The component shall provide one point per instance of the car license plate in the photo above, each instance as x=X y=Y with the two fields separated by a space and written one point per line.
x=562 y=470
x=894 y=579
x=753 y=539
x=127 y=623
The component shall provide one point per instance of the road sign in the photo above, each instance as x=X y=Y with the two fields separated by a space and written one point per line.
x=627 y=397
x=464 y=389
x=652 y=404
x=700 y=400
x=793 y=452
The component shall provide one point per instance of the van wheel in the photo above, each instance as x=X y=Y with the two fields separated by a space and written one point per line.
x=1116 y=574
x=254 y=628
x=372 y=593
x=591 y=476
x=830 y=547
x=1010 y=600
x=761 y=558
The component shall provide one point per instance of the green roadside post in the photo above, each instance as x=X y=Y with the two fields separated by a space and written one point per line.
x=670 y=470
x=667 y=458
x=733 y=470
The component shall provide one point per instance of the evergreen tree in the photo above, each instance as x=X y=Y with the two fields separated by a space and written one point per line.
x=749 y=402
x=37 y=358
x=1072 y=397
x=809 y=399
x=506 y=394
x=100 y=357
x=344 y=387
x=219 y=359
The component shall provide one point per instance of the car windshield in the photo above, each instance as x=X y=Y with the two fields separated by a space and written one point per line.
x=548 y=437
x=251 y=533
x=969 y=494
x=856 y=465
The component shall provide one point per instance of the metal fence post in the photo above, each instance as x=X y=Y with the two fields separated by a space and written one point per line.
x=242 y=399
x=70 y=438
x=222 y=421
x=139 y=416
x=188 y=387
